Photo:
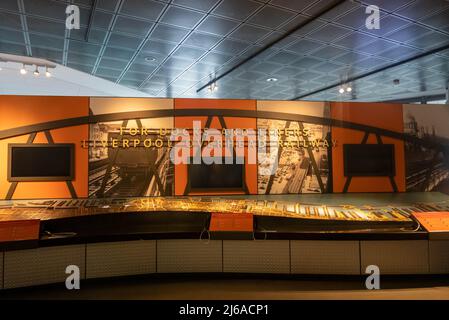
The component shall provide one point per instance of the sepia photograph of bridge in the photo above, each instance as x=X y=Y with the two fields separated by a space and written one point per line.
x=426 y=148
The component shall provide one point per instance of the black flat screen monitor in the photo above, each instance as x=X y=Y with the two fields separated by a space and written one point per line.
x=41 y=162
x=369 y=160
x=216 y=176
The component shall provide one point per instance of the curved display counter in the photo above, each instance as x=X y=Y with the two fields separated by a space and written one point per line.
x=110 y=238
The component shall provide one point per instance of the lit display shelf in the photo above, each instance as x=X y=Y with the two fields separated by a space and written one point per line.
x=50 y=209
x=296 y=214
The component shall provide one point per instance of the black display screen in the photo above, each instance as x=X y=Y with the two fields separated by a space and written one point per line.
x=41 y=162
x=368 y=160
x=216 y=176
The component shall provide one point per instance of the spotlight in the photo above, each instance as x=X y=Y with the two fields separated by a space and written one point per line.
x=23 y=71
x=213 y=87
x=348 y=89
x=341 y=90
x=272 y=79
x=36 y=72
x=47 y=73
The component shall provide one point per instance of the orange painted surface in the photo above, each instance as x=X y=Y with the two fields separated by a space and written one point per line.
x=19 y=230
x=23 y=111
x=237 y=222
x=433 y=221
x=17 y=111
x=181 y=170
x=380 y=115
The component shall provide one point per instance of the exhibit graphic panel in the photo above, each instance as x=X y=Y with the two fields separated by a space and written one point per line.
x=39 y=123
x=427 y=147
x=302 y=158
x=368 y=124
x=302 y=147
x=130 y=157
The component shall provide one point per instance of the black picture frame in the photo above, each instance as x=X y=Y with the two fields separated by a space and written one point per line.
x=70 y=177
x=222 y=189
x=347 y=155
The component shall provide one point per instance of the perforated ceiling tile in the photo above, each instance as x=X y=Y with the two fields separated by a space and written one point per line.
x=118 y=53
x=122 y=41
x=202 y=40
x=329 y=33
x=304 y=46
x=232 y=46
x=221 y=34
x=45 y=42
x=169 y=33
x=236 y=9
x=421 y=8
x=388 y=4
x=45 y=8
x=271 y=17
x=249 y=33
x=112 y=63
x=45 y=26
x=181 y=17
x=53 y=55
x=203 y=5
x=216 y=58
x=409 y=32
x=132 y=26
x=217 y=26
x=146 y=9
x=108 y=5
x=429 y=41
x=329 y=52
x=11 y=36
x=157 y=47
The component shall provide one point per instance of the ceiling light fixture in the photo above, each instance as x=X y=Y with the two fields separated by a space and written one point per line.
x=23 y=71
x=150 y=59
x=346 y=87
x=28 y=61
x=272 y=79
x=213 y=87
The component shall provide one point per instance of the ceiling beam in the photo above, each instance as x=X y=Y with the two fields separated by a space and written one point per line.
x=370 y=73
x=91 y=19
x=24 y=23
x=327 y=9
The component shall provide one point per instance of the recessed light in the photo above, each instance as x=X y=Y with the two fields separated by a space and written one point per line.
x=150 y=59
x=341 y=90
x=348 y=89
x=272 y=79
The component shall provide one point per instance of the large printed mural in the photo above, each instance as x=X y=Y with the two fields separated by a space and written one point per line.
x=122 y=145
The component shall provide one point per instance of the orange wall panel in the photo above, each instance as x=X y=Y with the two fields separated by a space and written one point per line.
x=380 y=115
x=18 y=111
